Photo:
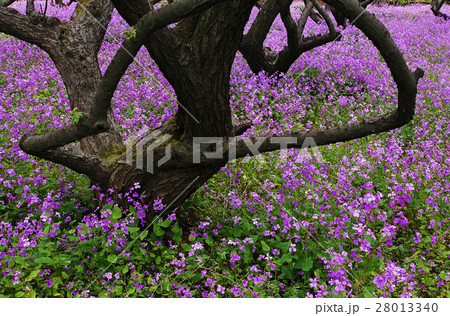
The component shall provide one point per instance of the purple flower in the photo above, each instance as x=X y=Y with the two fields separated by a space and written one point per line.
x=157 y=205
x=380 y=281
x=314 y=283
x=210 y=282
x=368 y=186
x=417 y=238
x=220 y=289
x=234 y=257
x=292 y=248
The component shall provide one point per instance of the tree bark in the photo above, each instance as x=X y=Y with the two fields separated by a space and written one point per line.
x=436 y=6
x=260 y=58
x=73 y=46
x=196 y=58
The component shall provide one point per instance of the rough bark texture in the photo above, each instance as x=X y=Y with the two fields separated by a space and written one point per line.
x=196 y=57
x=73 y=47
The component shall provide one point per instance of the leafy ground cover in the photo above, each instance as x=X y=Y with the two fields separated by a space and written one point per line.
x=367 y=218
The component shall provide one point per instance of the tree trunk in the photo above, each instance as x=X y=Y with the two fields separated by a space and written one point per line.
x=77 y=62
x=196 y=57
x=197 y=62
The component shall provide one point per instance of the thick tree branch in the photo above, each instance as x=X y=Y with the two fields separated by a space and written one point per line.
x=242 y=127
x=262 y=23
x=79 y=161
x=405 y=80
x=436 y=6
x=325 y=16
x=304 y=17
x=36 y=144
x=252 y=45
x=95 y=121
x=89 y=22
x=30 y=7
x=289 y=23
x=40 y=30
x=149 y=23
x=293 y=50
x=365 y=3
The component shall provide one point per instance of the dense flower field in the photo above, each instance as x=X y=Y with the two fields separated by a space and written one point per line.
x=367 y=218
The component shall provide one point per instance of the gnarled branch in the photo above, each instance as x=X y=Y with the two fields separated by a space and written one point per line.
x=405 y=80
x=436 y=6
x=325 y=16
x=149 y=23
x=95 y=121
x=252 y=45
x=79 y=161
x=28 y=28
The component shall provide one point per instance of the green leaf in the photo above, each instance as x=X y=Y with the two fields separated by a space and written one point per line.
x=84 y=230
x=177 y=233
x=368 y=292
x=112 y=258
x=369 y=239
x=32 y=275
x=63 y=260
x=143 y=235
x=305 y=263
x=236 y=231
x=131 y=290
x=186 y=247
x=133 y=232
x=158 y=260
x=176 y=228
x=248 y=256
x=118 y=290
x=283 y=245
x=166 y=223
x=312 y=245
x=158 y=231
x=283 y=259
x=19 y=294
x=265 y=247
x=44 y=260
x=116 y=213
x=372 y=265
x=288 y=272
x=166 y=286
x=133 y=229
x=31 y=293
